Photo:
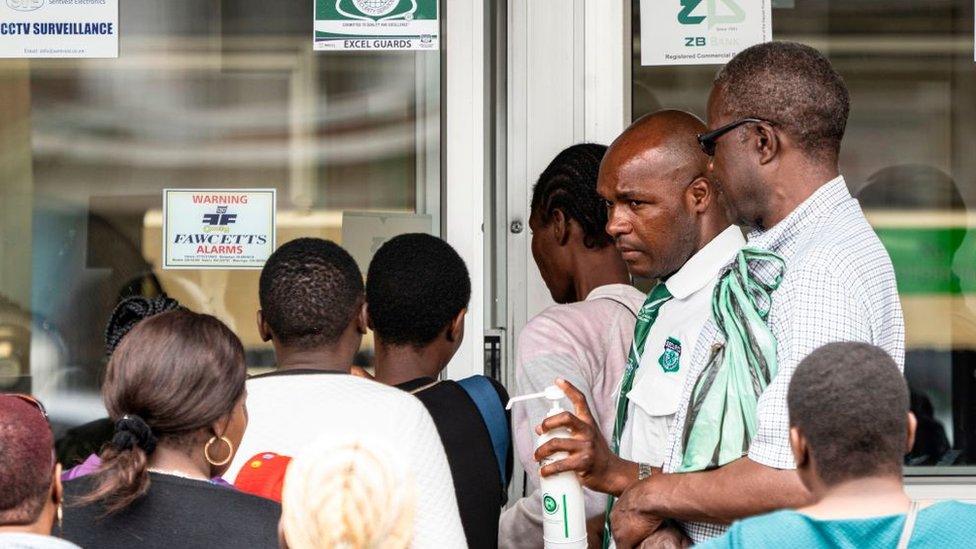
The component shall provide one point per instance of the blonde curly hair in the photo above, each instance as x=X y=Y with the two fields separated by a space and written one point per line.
x=348 y=494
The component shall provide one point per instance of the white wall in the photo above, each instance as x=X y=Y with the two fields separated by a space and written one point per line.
x=464 y=147
x=569 y=82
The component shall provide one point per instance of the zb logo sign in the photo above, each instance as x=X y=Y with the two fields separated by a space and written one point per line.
x=690 y=13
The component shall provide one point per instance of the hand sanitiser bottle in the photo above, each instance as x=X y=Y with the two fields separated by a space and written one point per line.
x=563 y=514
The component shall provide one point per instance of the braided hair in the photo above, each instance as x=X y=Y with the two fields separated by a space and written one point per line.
x=354 y=494
x=132 y=310
x=569 y=184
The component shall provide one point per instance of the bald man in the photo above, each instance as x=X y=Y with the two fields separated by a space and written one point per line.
x=669 y=223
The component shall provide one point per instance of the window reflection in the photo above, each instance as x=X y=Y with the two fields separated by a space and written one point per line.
x=204 y=95
x=921 y=218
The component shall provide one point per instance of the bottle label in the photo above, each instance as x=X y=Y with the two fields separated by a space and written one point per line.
x=561 y=523
x=550 y=504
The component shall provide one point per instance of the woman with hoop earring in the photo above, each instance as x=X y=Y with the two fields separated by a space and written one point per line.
x=175 y=388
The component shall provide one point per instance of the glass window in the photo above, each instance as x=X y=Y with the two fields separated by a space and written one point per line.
x=908 y=156
x=204 y=95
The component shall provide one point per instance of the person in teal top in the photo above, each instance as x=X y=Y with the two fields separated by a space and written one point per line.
x=943 y=525
x=849 y=429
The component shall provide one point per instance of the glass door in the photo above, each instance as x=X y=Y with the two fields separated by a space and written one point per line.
x=208 y=95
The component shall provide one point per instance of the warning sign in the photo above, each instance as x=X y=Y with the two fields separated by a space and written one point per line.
x=218 y=229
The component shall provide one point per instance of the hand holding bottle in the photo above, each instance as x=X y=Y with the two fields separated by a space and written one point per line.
x=587 y=452
x=564 y=514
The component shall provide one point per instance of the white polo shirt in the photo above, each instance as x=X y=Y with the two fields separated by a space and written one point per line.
x=658 y=383
x=290 y=409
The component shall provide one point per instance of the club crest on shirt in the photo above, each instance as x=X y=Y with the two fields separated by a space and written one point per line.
x=670 y=359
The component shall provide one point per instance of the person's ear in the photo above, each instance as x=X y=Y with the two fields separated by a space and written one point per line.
x=699 y=194
x=362 y=319
x=912 y=428
x=57 y=496
x=455 y=332
x=282 y=542
x=798 y=443
x=767 y=142
x=368 y=320
x=264 y=331
x=57 y=489
x=219 y=427
x=559 y=224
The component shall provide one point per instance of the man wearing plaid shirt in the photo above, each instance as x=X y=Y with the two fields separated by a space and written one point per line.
x=778 y=113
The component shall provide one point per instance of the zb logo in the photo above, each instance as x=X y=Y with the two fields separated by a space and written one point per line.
x=220 y=218
x=691 y=15
x=550 y=505
x=376 y=10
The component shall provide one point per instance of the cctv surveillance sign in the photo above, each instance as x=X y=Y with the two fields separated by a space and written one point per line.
x=701 y=32
x=59 y=28
x=218 y=229
x=376 y=25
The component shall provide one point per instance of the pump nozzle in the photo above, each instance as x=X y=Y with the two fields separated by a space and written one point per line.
x=551 y=392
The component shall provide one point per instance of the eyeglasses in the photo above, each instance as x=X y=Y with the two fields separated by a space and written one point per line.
x=30 y=400
x=708 y=140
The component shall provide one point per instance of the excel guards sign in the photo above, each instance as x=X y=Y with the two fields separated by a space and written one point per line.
x=701 y=32
x=59 y=28
x=218 y=229
x=376 y=25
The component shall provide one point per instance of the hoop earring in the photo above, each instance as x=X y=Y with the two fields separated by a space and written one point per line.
x=230 y=451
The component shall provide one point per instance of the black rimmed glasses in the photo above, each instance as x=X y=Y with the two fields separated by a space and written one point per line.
x=708 y=140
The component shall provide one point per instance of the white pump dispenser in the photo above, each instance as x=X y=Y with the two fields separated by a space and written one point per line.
x=563 y=514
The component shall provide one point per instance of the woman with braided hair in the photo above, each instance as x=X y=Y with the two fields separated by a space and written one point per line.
x=354 y=493
x=78 y=448
x=131 y=311
x=174 y=389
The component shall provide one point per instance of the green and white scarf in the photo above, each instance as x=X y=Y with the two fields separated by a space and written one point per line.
x=721 y=419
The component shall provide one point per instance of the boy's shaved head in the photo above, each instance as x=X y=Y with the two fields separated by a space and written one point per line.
x=851 y=403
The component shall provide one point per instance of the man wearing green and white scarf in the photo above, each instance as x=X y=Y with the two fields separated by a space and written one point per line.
x=665 y=218
x=813 y=272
